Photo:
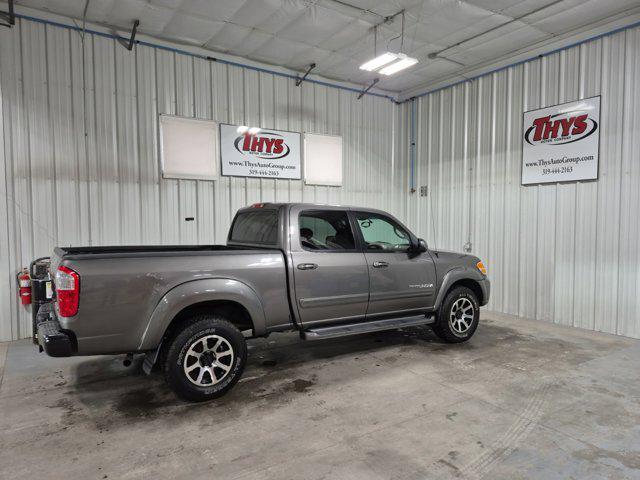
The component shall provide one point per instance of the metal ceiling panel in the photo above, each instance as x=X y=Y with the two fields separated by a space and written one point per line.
x=295 y=33
x=216 y=11
x=503 y=6
x=314 y=25
x=283 y=16
x=278 y=50
x=192 y=29
x=302 y=60
x=251 y=43
x=255 y=12
x=228 y=37
x=353 y=32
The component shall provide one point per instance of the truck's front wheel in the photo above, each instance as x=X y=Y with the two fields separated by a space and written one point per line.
x=458 y=316
x=206 y=358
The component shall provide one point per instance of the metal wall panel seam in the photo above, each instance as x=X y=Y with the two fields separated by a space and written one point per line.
x=5 y=276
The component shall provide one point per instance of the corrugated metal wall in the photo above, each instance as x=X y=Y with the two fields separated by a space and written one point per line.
x=566 y=253
x=62 y=186
x=563 y=253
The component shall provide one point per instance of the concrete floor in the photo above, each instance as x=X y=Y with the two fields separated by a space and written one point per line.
x=521 y=400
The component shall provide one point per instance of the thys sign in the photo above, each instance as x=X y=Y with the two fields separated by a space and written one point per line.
x=254 y=152
x=561 y=143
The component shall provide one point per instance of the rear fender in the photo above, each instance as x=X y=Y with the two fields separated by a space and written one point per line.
x=197 y=291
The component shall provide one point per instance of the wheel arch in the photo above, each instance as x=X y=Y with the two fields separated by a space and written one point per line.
x=233 y=311
x=231 y=297
x=460 y=278
x=472 y=285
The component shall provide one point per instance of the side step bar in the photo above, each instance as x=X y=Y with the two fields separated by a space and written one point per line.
x=366 y=327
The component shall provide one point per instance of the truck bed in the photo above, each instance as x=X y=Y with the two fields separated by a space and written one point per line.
x=146 y=250
x=121 y=286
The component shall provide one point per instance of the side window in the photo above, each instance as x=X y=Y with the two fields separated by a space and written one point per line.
x=381 y=233
x=255 y=226
x=325 y=230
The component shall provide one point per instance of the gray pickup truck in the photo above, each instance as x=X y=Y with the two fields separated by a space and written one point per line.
x=325 y=271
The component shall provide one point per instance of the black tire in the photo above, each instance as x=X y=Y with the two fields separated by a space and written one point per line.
x=205 y=341
x=450 y=327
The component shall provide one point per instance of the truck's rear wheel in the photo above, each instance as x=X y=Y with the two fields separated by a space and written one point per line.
x=458 y=316
x=206 y=358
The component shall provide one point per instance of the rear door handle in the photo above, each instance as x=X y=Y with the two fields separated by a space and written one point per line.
x=307 y=266
x=380 y=264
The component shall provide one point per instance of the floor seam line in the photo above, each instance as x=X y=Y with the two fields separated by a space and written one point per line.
x=3 y=364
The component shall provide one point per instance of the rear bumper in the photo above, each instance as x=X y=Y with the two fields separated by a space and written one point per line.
x=51 y=338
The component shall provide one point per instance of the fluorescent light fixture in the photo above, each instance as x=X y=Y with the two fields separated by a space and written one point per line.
x=242 y=129
x=402 y=63
x=379 y=61
x=254 y=130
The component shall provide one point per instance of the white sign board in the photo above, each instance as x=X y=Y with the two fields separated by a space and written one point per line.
x=560 y=143
x=188 y=148
x=322 y=159
x=254 y=152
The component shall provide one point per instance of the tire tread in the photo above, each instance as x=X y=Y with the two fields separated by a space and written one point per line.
x=441 y=327
x=194 y=325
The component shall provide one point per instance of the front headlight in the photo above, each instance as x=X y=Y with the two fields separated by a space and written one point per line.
x=480 y=266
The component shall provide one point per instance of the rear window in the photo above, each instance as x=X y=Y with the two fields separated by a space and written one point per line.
x=256 y=226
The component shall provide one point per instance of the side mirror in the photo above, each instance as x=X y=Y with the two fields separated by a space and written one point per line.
x=418 y=247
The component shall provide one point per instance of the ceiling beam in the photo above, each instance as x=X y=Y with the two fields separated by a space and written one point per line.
x=621 y=21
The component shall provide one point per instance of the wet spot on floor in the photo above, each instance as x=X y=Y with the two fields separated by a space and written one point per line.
x=301 y=385
x=141 y=403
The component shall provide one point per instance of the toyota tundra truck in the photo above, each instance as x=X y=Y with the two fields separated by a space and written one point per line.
x=323 y=271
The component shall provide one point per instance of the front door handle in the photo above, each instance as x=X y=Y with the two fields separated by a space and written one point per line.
x=380 y=264
x=307 y=266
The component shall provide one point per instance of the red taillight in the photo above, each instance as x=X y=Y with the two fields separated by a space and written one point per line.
x=257 y=205
x=67 y=284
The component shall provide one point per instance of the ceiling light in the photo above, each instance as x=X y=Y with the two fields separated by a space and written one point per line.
x=402 y=63
x=379 y=61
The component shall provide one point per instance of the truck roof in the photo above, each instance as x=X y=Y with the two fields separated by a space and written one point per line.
x=278 y=205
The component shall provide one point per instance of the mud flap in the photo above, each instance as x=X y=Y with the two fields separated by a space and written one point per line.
x=150 y=359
